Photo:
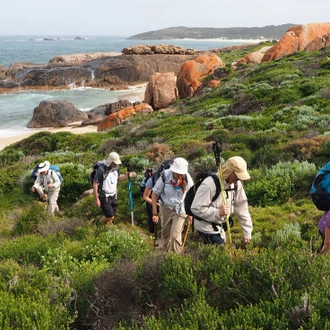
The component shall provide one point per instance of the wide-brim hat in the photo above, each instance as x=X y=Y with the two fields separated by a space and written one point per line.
x=180 y=166
x=43 y=167
x=238 y=165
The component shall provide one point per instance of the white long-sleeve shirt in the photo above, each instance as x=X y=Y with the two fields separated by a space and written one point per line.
x=203 y=207
x=42 y=181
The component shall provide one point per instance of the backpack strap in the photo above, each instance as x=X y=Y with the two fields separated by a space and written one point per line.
x=105 y=172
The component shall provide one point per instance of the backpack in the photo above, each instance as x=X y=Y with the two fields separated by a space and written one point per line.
x=57 y=170
x=156 y=175
x=147 y=175
x=320 y=189
x=192 y=192
x=33 y=174
x=95 y=167
x=54 y=168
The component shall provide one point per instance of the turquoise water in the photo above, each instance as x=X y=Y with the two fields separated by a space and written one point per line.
x=17 y=109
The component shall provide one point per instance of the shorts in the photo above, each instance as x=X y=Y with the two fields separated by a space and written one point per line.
x=109 y=206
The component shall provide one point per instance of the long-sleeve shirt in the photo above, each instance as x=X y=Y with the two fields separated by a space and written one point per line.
x=42 y=181
x=203 y=207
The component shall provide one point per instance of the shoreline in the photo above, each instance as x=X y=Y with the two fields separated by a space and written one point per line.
x=74 y=128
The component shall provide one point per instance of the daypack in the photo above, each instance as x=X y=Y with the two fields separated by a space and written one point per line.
x=33 y=174
x=192 y=192
x=147 y=175
x=57 y=170
x=54 y=168
x=320 y=189
x=156 y=175
x=95 y=167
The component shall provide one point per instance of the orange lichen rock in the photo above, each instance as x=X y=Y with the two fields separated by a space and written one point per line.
x=120 y=117
x=191 y=73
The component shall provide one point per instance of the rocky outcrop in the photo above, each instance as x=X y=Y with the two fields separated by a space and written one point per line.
x=81 y=57
x=191 y=73
x=55 y=114
x=161 y=90
x=114 y=72
x=297 y=39
x=121 y=116
x=97 y=114
x=158 y=49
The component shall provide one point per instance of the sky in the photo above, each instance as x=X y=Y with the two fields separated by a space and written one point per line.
x=129 y=17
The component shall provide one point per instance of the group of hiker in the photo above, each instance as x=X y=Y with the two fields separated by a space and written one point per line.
x=216 y=197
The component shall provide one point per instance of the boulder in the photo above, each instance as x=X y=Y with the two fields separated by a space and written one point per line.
x=120 y=117
x=296 y=39
x=3 y=72
x=97 y=114
x=318 y=43
x=55 y=114
x=161 y=90
x=191 y=73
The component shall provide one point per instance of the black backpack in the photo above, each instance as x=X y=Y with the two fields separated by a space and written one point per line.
x=147 y=175
x=96 y=166
x=155 y=175
x=192 y=192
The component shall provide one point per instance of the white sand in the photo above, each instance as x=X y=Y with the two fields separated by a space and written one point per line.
x=74 y=128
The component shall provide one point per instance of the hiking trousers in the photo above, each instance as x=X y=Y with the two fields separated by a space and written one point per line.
x=52 y=202
x=172 y=227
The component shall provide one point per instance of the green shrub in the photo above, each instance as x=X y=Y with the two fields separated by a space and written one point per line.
x=30 y=218
x=32 y=299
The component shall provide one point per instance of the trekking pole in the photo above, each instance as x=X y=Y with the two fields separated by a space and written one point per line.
x=131 y=205
x=185 y=238
x=217 y=148
x=155 y=230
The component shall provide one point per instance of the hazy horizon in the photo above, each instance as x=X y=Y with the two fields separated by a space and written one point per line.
x=127 y=18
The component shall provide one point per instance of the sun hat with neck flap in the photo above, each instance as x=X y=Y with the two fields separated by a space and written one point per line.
x=235 y=164
x=180 y=166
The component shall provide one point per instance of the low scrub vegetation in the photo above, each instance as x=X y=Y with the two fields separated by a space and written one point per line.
x=65 y=273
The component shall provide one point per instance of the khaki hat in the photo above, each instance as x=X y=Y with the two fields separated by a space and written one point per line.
x=180 y=166
x=113 y=158
x=235 y=164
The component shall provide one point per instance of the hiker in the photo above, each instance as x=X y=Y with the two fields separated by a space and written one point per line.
x=147 y=193
x=214 y=214
x=34 y=176
x=48 y=186
x=324 y=231
x=170 y=190
x=105 y=188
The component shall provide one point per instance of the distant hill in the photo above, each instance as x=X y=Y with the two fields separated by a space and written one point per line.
x=182 y=32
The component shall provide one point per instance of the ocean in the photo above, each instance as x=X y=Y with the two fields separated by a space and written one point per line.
x=16 y=109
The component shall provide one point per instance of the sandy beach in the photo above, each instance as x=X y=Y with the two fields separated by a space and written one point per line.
x=73 y=128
